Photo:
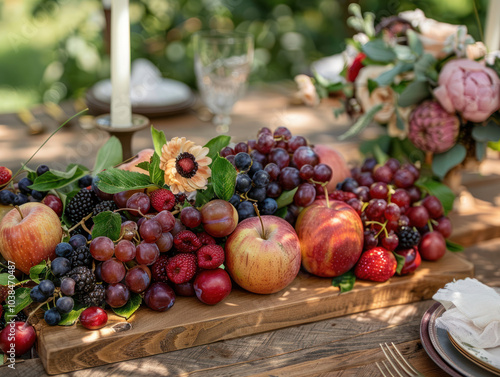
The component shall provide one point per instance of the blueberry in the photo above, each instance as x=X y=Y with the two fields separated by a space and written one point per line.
x=7 y=197
x=20 y=199
x=257 y=193
x=46 y=287
x=268 y=206
x=64 y=249
x=256 y=166
x=42 y=169
x=60 y=266
x=85 y=181
x=245 y=210
x=235 y=200
x=77 y=240
x=52 y=317
x=261 y=178
x=23 y=186
x=243 y=182
x=65 y=304
x=37 y=295
x=242 y=161
x=68 y=287
x=38 y=195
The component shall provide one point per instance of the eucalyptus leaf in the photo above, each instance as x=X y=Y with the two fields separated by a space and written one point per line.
x=387 y=78
x=345 y=281
x=155 y=173
x=404 y=53
x=362 y=122
x=216 y=144
x=115 y=180
x=488 y=132
x=223 y=178
x=286 y=198
x=400 y=124
x=414 y=93
x=159 y=139
x=130 y=307
x=443 y=162
x=439 y=190
x=424 y=66
x=70 y=318
x=109 y=155
x=414 y=42
x=379 y=51
x=107 y=224
x=401 y=262
x=481 y=150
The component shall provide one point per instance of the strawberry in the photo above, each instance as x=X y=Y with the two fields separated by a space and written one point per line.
x=5 y=175
x=162 y=199
x=357 y=64
x=210 y=256
x=159 y=269
x=186 y=241
x=377 y=264
x=181 y=268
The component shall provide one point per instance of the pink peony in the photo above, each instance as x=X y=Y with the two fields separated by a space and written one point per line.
x=432 y=129
x=470 y=88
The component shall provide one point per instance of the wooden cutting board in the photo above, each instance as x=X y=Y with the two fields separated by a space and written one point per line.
x=191 y=323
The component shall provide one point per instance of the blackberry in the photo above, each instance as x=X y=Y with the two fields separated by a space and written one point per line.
x=107 y=205
x=20 y=317
x=408 y=237
x=81 y=257
x=84 y=279
x=81 y=205
x=94 y=298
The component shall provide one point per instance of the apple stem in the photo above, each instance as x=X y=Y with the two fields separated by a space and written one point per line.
x=326 y=197
x=20 y=213
x=263 y=235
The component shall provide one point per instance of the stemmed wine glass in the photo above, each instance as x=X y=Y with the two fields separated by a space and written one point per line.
x=222 y=62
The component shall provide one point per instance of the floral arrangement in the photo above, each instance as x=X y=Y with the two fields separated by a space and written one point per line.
x=434 y=89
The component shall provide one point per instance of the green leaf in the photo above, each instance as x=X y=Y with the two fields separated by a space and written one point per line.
x=414 y=93
x=404 y=53
x=286 y=198
x=488 y=132
x=401 y=262
x=424 y=66
x=345 y=281
x=8 y=279
x=31 y=174
x=454 y=247
x=362 y=122
x=400 y=124
x=439 y=190
x=107 y=224
x=443 y=162
x=155 y=173
x=109 y=155
x=144 y=165
x=379 y=51
x=70 y=318
x=21 y=300
x=130 y=307
x=53 y=179
x=383 y=142
x=216 y=144
x=387 y=78
x=379 y=154
x=159 y=139
x=115 y=180
x=203 y=197
x=481 y=150
x=223 y=178
x=414 y=42
x=281 y=212
x=35 y=271
x=372 y=85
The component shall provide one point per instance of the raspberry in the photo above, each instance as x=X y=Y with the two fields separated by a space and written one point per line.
x=408 y=237
x=162 y=199
x=206 y=239
x=5 y=175
x=159 y=269
x=186 y=241
x=180 y=198
x=210 y=256
x=181 y=268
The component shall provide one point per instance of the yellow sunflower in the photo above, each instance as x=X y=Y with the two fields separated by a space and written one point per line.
x=185 y=165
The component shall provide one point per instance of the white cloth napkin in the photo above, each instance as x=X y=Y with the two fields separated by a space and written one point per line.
x=472 y=312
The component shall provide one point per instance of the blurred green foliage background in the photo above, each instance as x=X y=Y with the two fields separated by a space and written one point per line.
x=54 y=49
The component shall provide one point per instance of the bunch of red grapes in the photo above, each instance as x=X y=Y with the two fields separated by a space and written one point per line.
x=271 y=164
x=395 y=213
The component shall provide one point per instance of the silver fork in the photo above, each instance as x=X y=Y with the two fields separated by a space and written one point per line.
x=396 y=360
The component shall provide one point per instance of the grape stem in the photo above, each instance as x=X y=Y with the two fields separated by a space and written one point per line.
x=82 y=223
x=429 y=223
x=263 y=235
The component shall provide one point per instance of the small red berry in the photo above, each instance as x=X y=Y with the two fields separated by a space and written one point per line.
x=162 y=199
x=186 y=241
x=357 y=64
x=159 y=269
x=205 y=238
x=181 y=268
x=210 y=256
x=5 y=175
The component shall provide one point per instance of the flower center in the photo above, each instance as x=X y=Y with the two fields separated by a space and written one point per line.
x=186 y=165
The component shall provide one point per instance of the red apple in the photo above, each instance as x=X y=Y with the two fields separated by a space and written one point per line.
x=263 y=257
x=29 y=239
x=333 y=158
x=212 y=286
x=331 y=237
x=16 y=338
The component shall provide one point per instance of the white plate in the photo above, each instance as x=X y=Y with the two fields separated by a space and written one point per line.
x=485 y=356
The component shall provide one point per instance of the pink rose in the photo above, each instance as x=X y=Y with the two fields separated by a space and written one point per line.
x=470 y=88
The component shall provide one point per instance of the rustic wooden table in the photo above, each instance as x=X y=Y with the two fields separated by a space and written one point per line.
x=343 y=346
